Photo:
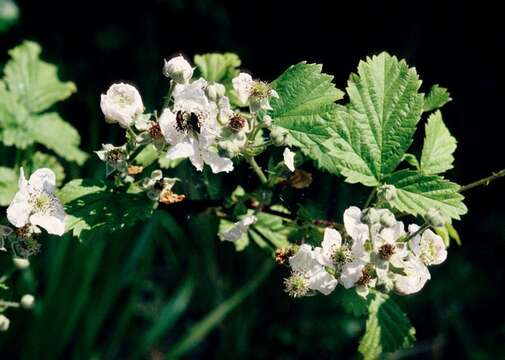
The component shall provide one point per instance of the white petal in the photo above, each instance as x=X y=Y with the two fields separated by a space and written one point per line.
x=304 y=261
x=289 y=159
x=181 y=150
x=168 y=127
x=242 y=85
x=351 y=273
x=217 y=163
x=54 y=224
x=323 y=282
x=353 y=225
x=43 y=180
x=238 y=229
x=19 y=209
x=331 y=239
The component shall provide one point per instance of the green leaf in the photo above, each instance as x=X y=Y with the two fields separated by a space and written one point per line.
x=41 y=160
x=14 y=121
x=53 y=132
x=354 y=304
x=385 y=107
x=417 y=193
x=216 y=67
x=411 y=160
x=387 y=329
x=9 y=14
x=305 y=108
x=438 y=146
x=8 y=185
x=34 y=82
x=436 y=98
x=94 y=207
x=272 y=228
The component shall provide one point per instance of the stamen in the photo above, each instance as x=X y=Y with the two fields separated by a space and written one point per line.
x=386 y=251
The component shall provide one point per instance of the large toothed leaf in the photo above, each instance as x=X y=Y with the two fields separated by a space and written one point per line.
x=305 y=108
x=33 y=81
x=438 y=147
x=436 y=98
x=53 y=132
x=94 y=207
x=417 y=193
x=217 y=67
x=387 y=329
x=14 y=121
x=385 y=107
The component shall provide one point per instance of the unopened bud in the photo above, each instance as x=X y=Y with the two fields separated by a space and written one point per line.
x=27 y=301
x=387 y=219
x=4 y=323
x=370 y=216
x=21 y=263
x=434 y=218
x=178 y=69
x=279 y=136
x=215 y=91
x=387 y=193
x=267 y=120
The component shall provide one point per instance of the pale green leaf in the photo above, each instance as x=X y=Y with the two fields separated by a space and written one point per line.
x=417 y=193
x=387 y=329
x=15 y=121
x=217 y=67
x=9 y=14
x=305 y=108
x=54 y=133
x=438 y=146
x=93 y=207
x=33 y=81
x=8 y=185
x=436 y=98
x=385 y=107
x=411 y=160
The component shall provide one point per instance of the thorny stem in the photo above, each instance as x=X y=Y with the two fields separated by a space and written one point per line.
x=419 y=231
x=257 y=170
x=484 y=181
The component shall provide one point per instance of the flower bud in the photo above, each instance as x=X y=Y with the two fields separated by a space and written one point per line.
x=121 y=104
x=21 y=263
x=267 y=120
x=178 y=69
x=215 y=91
x=387 y=193
x=434 y=218
x=27 y=301
x=4 y=323
x=370 y=216
x=279 y=136
x=387 y=219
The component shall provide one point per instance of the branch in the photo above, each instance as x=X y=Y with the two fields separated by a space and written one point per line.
x=484 y=181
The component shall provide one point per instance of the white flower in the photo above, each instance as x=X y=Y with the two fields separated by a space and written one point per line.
x=305 y=262
x=178 y=69
x=5 y=231
x=35 y=203
x=256 y=94
x=429 y=247
x=191 y=129
x=289 y=159
x=388 y=250
x=238 y=229
x=416 y=275
x=121 y=104
x=354 y=227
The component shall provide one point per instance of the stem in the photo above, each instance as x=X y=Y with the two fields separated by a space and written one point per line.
x=257 y=170
x=420 y=230
x=8 y=304
x=370 y=198
x=484 y=181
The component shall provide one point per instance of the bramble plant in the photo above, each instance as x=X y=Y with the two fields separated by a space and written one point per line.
x=219 y=119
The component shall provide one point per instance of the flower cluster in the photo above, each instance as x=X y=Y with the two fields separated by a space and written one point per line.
x=199 y=122
x=375 y=251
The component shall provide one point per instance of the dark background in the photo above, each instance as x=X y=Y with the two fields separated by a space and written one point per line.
x=459 y=45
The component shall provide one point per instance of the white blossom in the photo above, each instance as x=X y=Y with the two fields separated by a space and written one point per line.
x=428 y=246
x=36 y=205
x=191 y=128
x=256 y=94
x=178 y=69
x=289 y=159
x=238 y=229
x=121 y=104
x=388 y=250
x=416 y=275
x=305 y=262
